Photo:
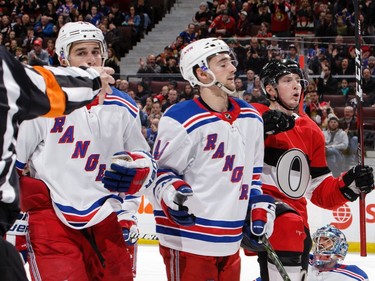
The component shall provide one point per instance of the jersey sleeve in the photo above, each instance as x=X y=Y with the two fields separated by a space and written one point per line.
x=172 y=151
x=47 y=91
x=31 y=134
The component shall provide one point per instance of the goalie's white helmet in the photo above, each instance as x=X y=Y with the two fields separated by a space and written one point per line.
x=72 y=32
x=196 y=54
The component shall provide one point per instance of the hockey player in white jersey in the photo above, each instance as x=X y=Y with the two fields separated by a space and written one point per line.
x=329 y=251
x=73 y=226
x=210 y=155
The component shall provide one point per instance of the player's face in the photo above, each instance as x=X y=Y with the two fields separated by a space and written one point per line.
x=289 y=89
x=85 y=54
x=222 y=65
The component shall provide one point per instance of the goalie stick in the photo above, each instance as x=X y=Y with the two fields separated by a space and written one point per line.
x=274 y=258
x=359 y=98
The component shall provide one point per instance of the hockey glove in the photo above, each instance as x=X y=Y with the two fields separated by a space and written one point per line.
x=173 y=204
x=130 y=172
x=262 y=215
x=276 y=121
x=358 y=179
x=129 y=228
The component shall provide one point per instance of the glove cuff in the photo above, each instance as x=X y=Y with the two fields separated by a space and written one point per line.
x=349 y=194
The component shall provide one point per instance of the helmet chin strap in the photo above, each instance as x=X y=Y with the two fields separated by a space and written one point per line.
x=224 y=88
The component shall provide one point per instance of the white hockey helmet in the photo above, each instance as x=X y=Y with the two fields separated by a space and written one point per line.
x=196 y=54
x=72 y=32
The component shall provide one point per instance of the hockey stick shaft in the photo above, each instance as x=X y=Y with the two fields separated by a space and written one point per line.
x=359 y=96
x=275 y=258
x=146 y=236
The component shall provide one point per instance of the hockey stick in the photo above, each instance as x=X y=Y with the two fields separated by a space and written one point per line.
x=359 y=97
x=146 y=236
x=274 y=258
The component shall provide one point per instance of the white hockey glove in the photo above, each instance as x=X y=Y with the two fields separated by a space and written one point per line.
x=262 y=215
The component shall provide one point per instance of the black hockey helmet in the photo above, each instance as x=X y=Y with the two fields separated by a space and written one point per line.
x=275 y=69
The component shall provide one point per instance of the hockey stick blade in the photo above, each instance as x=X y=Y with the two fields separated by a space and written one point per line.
x=274 y=258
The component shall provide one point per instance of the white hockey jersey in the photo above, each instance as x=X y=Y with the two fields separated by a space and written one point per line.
x=70 y=154
x=341 y=273
x=220 y=155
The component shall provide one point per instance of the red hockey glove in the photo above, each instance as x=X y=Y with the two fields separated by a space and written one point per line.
x=128 y=228
x=358 y=179
x=276 y=121
x=130 y=172
x=174 y=197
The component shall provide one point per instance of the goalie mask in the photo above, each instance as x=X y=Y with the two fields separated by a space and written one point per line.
x=73 y=32
x=197 y=55
x=329 y=246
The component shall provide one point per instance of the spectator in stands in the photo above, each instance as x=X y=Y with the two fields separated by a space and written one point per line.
x=22 y=24
x=264 y=31
x=223 y=25
x=162 y=96
x=123 y=86
x=68 y=10
x=44 y=27
x=133 y=20
x=156 y=111
x=371 y=64
x=150 y=66
x=257 y=96
x=29 y=39
x=177 y=45
x=115 y=16
x=327 y=85
x=239 y=90
x=314 y=108
x=348 y=123
x=38 y=56
x=103 y=8
x=345 y=89
x=94 y=17
x=293 y=53
x=368 y=82
x=114 y=62
x=172 y=99
x=347 y=68
x=171 y=66
x=5 y=26
x=243 y=26
x=187 y=93
x=327 y=28
x=143 y=92
x=261 y=13
x=190 y=34
x=255 y=61
x=148 y=106
x=203 y=17
x=53 y=58
x=336 y=141
x=249 y=82
x=280 y=21
x=152 y=132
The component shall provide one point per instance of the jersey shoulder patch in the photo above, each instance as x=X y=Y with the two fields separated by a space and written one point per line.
x=120 y=98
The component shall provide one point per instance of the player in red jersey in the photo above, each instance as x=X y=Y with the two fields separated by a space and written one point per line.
x=295 y=169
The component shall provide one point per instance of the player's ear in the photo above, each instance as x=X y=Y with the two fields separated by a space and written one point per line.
x=203 y=76
x=63 y=62
x=270 y=91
